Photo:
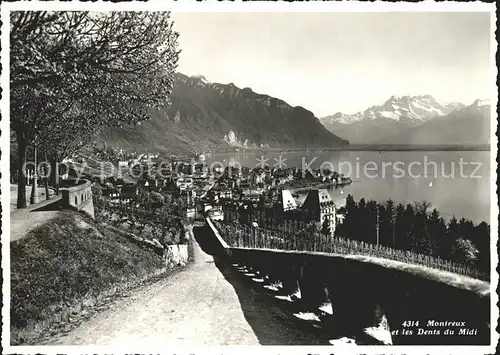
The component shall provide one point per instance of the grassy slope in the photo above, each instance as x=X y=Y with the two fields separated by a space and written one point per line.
x=68 y=265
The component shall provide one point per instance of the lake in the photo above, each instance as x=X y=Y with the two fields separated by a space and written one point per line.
x=455 y=182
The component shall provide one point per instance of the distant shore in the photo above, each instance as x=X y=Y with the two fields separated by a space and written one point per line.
x=417 y=147
x=314 y=185
x=367 y=147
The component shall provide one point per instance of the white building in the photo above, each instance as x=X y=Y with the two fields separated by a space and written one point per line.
x=286 y=201
x=319 y=206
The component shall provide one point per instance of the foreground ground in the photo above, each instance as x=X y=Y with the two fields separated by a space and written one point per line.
x=22 y=221
x=40 y=193
x=207 y=304
x=64 y=269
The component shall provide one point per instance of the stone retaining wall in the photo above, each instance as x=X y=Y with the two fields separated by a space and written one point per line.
x=79 y=196
x=176 y=255
x=372 y=298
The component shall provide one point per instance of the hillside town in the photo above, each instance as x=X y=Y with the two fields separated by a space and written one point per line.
x=272 y=198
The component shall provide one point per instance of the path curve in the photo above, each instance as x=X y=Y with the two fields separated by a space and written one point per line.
x=202 y=305
x=22 y=221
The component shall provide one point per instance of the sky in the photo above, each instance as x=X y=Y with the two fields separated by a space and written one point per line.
x=347 y=62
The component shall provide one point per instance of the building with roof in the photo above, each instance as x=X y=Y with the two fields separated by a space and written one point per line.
x=285 y=207
x=286 y=201
x=170 y=187
x=319 y=207
x=282 y=211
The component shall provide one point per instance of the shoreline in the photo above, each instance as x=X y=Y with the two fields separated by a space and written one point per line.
x=323 y=185
x=363 y=147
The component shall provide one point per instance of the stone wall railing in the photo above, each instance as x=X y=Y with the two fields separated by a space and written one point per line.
x=374 y=300
x=79 y=196
x=245 y=236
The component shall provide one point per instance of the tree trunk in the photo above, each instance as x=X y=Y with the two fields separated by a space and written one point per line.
x=21 y=181
x=54 y=171
x=46 y=180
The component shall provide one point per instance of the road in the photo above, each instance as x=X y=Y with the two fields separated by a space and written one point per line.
x=24 y=220
x=207 y=304
x=40 y=194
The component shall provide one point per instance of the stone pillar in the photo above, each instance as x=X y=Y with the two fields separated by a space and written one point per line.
x=34 y=194
x=312 y=291
x=290 y=280
x=356 y=311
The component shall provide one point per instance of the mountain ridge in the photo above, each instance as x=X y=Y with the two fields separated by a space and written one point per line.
x=205 y=115
x=414 y=108
x=468 y=126
x=395 y=115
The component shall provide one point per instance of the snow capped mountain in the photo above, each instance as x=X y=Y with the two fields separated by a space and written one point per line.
x=416 y=109
x=202 y=78
x=454 y=106
x=340 y=117
x=470 y=126
x=395 y=115
x=481 y=103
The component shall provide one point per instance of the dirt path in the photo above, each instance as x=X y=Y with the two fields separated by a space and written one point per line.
x=204 y=305
x=40 y=194
x=24 y=220
x=22 y=223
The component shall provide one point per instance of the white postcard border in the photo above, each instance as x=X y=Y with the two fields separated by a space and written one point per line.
x=214 y=6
